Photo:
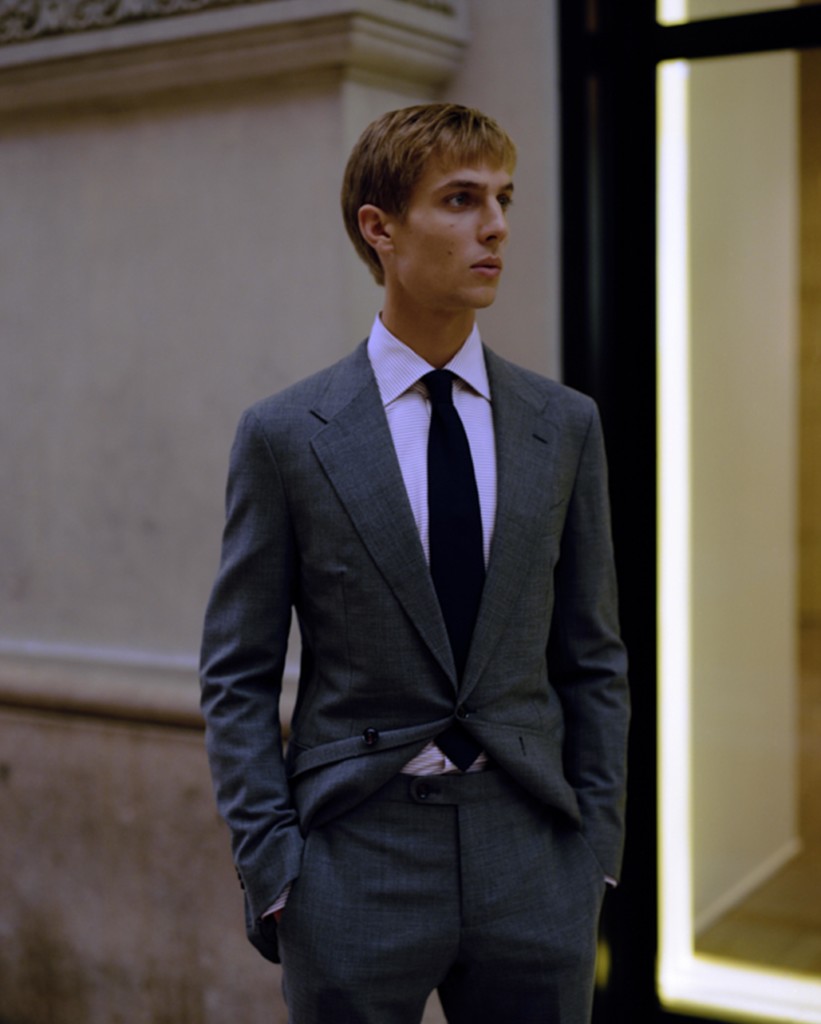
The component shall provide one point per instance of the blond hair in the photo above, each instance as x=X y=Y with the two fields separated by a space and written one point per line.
x=393 y=152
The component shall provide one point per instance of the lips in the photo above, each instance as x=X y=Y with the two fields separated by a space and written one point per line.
x=490 y=266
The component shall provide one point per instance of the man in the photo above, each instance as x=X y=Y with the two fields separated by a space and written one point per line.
x=450 y=806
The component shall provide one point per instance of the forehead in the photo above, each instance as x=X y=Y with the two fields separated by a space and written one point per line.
x=484 y=176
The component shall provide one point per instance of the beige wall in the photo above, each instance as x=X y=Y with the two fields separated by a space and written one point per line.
x=170 y=255
x=810 y=430
x=810 y=522
x=743 y=365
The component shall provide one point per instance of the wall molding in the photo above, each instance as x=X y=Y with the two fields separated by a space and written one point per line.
x=125 y=691
x=142 y=688
x=22 y=20
x=33 y=19
x=80 y=51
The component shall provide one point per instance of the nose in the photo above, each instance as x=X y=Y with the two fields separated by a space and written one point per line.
x=495 y=225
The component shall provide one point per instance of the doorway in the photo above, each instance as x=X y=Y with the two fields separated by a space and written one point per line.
x=692 y=170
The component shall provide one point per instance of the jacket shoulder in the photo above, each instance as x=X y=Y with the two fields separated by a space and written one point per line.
x=547 y=395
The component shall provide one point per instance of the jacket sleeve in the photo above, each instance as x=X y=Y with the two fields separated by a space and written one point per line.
x=242 y=660
x=587 y=662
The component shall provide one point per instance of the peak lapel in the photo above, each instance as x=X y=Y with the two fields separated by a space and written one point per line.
x=525 y=452
x=356 y=451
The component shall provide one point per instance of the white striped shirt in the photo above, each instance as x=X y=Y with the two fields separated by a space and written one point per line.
x=398 y=370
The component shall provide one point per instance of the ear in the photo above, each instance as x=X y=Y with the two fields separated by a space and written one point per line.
x=376 y=228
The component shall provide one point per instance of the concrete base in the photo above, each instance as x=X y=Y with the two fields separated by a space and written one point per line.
x=123 y=904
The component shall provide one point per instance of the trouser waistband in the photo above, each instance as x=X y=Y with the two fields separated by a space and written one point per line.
x=455 y=789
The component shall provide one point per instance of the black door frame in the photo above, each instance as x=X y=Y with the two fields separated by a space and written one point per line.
x=609 y=53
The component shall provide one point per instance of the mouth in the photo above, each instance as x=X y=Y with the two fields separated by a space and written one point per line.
x=490 y=266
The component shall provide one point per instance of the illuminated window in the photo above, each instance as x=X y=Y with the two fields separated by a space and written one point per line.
x=739 y=608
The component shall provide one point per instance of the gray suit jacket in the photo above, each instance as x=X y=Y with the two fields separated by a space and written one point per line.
x=318 y=520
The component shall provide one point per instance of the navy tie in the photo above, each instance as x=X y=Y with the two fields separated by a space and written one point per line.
x=457 y=563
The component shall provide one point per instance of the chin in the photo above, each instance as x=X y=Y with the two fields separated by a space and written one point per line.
x=483 y=301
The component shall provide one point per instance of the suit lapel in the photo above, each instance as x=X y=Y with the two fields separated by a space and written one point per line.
x=525 y=453
x=356 y=452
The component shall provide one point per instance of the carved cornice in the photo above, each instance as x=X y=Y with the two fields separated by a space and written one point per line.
x=22 y=20
x=33 y=19
x=78 y=50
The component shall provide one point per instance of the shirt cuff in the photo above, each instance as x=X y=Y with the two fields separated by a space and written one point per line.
x=282 y=899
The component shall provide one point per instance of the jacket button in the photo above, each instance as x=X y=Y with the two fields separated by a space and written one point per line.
x=422 y=789
x=462 y=712
x=370 y=736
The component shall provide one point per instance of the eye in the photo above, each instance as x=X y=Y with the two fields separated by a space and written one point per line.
x=459 y=199
x=505 y=200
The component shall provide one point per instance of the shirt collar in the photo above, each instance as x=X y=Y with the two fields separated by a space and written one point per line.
x=397 y=367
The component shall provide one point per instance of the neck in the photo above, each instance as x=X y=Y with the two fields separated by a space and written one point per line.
x=435 y=337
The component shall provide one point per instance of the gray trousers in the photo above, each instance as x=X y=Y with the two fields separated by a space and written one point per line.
x=464 y=884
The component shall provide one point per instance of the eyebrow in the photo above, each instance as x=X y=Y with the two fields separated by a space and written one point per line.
x=471 y=183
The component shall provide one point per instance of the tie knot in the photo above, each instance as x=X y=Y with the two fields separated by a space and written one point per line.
x=439 y=385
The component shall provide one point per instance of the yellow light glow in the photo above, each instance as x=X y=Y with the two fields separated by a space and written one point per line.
x=675 y=869
x=672 y=12
x=687 y=981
